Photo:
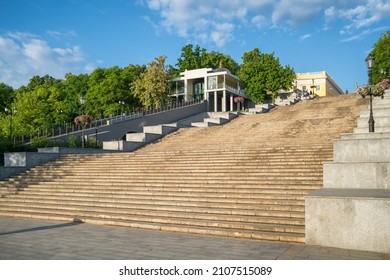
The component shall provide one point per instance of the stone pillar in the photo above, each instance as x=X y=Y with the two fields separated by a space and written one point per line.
x=224 y=101
x=352 y=209
x=215 y=101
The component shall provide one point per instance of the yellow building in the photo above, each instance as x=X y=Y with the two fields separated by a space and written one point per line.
x=319 y=83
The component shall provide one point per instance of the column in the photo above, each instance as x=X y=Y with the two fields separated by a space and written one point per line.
x=224 y=101
x=215 y=101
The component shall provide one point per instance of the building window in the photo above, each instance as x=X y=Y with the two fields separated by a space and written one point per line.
x=212 y=82
x=318 y=87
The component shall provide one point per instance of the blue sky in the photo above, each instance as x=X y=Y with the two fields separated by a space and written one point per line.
x=39 y=37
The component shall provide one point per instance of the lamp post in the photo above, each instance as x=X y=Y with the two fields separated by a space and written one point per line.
x=369 y=63
x=82 y=102
x=383 y=72
x=11 y=112
x=122 y=103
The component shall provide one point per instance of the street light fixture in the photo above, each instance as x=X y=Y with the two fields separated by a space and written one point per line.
x=370 y=63
x=122 y=103
x=82 y=102
x=11 y=112
x=383 y=72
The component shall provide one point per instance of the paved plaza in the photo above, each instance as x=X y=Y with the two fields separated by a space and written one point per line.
x=28 y=239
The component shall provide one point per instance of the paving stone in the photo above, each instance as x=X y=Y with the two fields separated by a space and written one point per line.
x=145 y=245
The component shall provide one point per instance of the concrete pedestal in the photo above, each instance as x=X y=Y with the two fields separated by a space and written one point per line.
x=352 y=210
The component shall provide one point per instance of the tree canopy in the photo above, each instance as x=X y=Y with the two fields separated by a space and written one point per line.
x=197 y=57
x=152 y=88
x=381 y=53
x=262 y=73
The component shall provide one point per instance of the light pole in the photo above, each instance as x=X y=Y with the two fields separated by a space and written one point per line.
x=383 y=72
x=122 y=103
x=369 y=63
x=82 y=102
x=11 y=112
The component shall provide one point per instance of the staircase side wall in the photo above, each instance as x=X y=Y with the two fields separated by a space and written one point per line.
x=358 y=223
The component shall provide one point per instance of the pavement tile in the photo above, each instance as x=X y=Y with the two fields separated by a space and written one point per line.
x=27 y=239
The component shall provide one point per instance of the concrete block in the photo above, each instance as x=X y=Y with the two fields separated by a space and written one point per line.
x=121 y=145
x=349 y=219
x=377 y=129
x=160 y=129
x=225 y=115
x=6 y=172
x=26 y=159
x=357 y=175
x=379 y=121
x=365 y=135
x=362 y=150
x=216 y=120
x=202 y=124
x=382 y=112
x=142 y=137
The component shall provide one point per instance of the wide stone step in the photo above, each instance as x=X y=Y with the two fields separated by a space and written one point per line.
x=205 y=190
x=272 y=210
x=206 y=220
x=63 y=209
x=255 y=180
x=217 y=231
x=266 y=199
x=158 y=194
x=184 y=173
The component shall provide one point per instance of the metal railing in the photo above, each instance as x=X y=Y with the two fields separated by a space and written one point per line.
x=71 y=128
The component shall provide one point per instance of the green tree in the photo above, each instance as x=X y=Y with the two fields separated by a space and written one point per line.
x=108 y=87
x=6 y=96
x=263 y=74
x=72 y=88
x=196 y=57
x=34 y=111
x=153 y=85
x=381 y=53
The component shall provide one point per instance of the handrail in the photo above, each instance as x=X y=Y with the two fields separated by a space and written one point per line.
x=71 y=128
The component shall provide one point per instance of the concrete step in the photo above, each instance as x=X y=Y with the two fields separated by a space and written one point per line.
x=203 y=124
x=142 y=137
x=379 y=112
x=210 y=230
x=268 y=209
x=357 y=175
x=379 y=121
x=362 y=150
x=209 y=214
x=216 y=120
x=377 y=129
x=161 y=129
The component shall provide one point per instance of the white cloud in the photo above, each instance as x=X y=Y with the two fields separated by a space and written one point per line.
x=200 y=19
x=305 y=37
x=24 y=55
x=360 y=16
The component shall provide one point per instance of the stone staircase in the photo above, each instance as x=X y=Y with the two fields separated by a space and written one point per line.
x=246 y=179
x=150 y=134
x=352 y=209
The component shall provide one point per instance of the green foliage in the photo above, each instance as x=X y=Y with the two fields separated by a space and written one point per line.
x=74 y=142
x=39 y=142
x=193 y=58
x=263 y=74
x=381 y=53
x=109 y=86
x=152 y=87
x=6 y=96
